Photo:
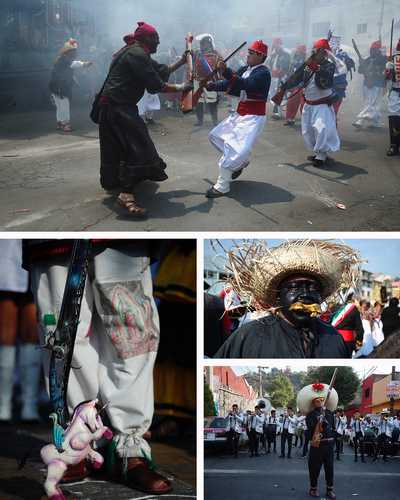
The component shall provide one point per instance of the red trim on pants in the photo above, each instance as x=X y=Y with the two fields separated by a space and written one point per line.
x=336 y=106
x=293 y=105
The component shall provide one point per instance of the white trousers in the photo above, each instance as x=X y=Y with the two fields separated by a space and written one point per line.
x=62 y=109
x=318 y=127
x=116 y=342
x=394 y=103
x=371 y=113
x=148 y=103
x=235 y=138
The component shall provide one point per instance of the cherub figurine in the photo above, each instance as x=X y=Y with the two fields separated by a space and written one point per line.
x=73 y=445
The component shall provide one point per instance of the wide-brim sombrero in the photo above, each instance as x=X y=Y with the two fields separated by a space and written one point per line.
x=310 y=392
x=257 y=271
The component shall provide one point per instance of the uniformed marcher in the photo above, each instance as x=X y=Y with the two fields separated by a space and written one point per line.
x=310 y=401
x=340 y=427
x=357 y=430
x=288 y=283
x=385 y=428
x=288 y=426
x=393 y=75
x=234 y=429
x=256 y=430
x=271 y=428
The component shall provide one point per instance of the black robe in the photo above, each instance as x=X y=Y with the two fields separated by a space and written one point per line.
x=273 y=337
x=128 y=154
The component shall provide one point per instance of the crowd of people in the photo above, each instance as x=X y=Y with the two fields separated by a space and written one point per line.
x=314 y=83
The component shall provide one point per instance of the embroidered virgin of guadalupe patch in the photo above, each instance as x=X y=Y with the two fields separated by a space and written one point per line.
x=129 y=318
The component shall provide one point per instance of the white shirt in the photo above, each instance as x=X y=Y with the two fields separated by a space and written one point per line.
x=235 y=422
x=314 y=93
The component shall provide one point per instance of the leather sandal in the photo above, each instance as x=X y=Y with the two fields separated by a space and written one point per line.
x=140 y=476
x=127 y=201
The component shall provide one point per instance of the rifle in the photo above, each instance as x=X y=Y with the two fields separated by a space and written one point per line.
x=316 y=439
x=61 y=342
x=360 y=57
x=391 y=41
x=187 y=97
x=203 y=83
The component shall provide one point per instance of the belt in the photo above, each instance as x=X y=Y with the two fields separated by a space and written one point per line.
x=251 y=108
x=327 y=440
x=325 y=100
x=348 y=335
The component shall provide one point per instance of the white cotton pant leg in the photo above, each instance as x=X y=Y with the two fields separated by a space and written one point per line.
x=371 y=113
x=394 y=103
x=224 y=180
x=319 y=130
x=235 y=138
x=116 y=343
x=62 y=109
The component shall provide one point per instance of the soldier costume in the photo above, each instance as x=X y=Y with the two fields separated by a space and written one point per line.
x=393 y=75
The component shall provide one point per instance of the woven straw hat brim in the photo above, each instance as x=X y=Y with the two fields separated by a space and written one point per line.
x=314 y=262
x=306 y=396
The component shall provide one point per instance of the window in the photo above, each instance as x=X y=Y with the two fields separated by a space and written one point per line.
x=361 y=28
x=367 y=392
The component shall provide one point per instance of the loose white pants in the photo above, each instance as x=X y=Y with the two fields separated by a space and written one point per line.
x=318 y=127
x=394 y=103
x=235 y=138
x=62 y=109
x=371 y=113
x=116 y=342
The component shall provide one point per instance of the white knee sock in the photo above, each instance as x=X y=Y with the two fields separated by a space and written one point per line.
x=29 y=366
x=7 y=365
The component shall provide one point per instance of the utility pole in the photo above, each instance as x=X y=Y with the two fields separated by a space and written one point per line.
x=391 y=397
x=260 y=368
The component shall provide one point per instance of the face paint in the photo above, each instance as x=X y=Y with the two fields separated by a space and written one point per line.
x=299 y=289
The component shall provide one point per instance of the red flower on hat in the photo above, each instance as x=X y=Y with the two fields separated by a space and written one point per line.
x=318 y=387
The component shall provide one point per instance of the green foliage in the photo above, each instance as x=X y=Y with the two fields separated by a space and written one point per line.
x=346 y=385
x=281 y=391
x=209 y=406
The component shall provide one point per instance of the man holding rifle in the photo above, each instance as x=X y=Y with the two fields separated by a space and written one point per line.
x=318 y=402
x=205 y=61
x=236 y=136
x=318 y=124
x=393 y=75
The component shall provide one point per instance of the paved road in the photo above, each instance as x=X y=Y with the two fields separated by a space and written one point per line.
x=49 y=181
x=26 y=483
x=270 y=477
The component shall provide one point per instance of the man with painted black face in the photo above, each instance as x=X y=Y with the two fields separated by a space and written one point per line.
x=292 y=328
x=293 y=331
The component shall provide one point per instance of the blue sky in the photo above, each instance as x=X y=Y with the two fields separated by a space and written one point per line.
x=383 y=256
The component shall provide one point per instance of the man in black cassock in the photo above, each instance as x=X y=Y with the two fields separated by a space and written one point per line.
x=128 y=155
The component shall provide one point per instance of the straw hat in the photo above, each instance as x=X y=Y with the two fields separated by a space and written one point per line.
x=310 y=392
x=258 y=270
x=69 y=45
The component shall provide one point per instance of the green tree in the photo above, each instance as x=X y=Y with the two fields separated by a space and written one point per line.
x=281 y=391
x=209 y=406
x=346 y=384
